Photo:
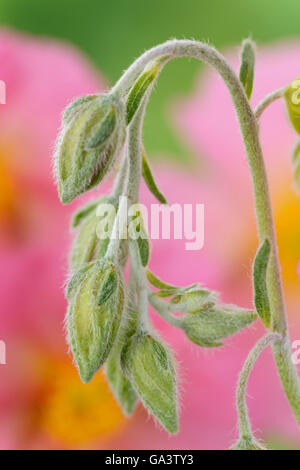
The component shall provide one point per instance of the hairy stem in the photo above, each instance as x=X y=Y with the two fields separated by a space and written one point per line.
x=249 y=130
x=269 y=99
x=163 y=310
x=241 y=405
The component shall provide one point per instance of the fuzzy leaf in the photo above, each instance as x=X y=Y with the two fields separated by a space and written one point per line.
x=159 y=284
x=139 y=89
x=261 y=299
x=144 y=250
x=149 y=180
x=247 y=66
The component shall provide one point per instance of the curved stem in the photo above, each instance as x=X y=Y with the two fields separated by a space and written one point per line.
x=163 y=310
x=133 y=170
x=249 y=130
x=241 y=405
x=267 y=100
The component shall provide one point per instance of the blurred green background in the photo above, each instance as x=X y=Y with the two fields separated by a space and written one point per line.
x=113 y=33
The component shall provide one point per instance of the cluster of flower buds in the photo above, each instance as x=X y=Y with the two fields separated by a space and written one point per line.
x=204 y=321
x=105 y=324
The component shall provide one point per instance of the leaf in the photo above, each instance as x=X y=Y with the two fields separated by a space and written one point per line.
x=139 y=89
x=261 y=299
x=144 y=250
x=247 y=66
x=149 y=180
x=156 y=282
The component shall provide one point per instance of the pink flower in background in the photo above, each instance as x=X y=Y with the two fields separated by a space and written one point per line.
x=42 y=402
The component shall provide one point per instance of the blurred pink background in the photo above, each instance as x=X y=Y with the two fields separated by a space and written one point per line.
x=43 y=404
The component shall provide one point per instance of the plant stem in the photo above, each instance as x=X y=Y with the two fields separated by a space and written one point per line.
x=241 y=405
x=269 y=99
x=163 y=310
x=249 y=130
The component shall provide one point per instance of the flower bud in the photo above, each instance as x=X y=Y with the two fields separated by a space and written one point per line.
x=92 y=136
x=292 y=99
x=92 y=328
x=149 y=366
x=196 y=300
x=119 y=384
x=87 y=245
x=208 y=327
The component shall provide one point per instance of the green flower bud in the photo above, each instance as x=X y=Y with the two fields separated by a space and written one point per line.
x=292 y=99
x=92 y=328
x=208 y=327
x=119 y=384
x=149 y=366
x=92 y=136
x=196 y=300
x=248 y=443
x=87 y=245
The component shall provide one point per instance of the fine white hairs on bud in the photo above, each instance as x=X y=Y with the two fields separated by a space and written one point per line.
x=96 y=303
x=150 y=367
x=91 y=138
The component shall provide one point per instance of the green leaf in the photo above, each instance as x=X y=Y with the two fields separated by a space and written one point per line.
x=247 y=66
x=156 y=282
x=261 y=299
x=144 y=250
x=139 y=89
x=149 y=180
